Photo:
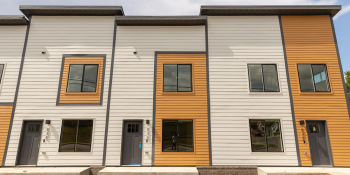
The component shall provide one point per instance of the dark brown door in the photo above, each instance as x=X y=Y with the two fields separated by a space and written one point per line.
x=30 y=143
x=132 y=143
x=318 y=143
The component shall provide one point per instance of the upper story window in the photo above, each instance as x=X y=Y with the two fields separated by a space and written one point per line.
x=263 y=78
x=82 y=78
x=266 y=135
x=177 y=78
x=313 y=78
x=76 y=136
x=2 y=66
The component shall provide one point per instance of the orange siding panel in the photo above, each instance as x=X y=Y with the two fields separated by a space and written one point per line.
x=183 y=105
x=309 y=39
x=5 y=117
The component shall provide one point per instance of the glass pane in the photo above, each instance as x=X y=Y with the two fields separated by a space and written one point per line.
x=1 y=71
x=74 y=86
x=320 y=78
x=185 y=136
x=184 y=78
x=255 y=78
x=30 y=128
x=137 y=128
x=69 y=130
x=90 y=78
x=84 y=136
x=257 y=133
x=314 y=128
x=37 y=128
x=76 y=71
x=305 y=78
x=170 y=78
x=273 y=136
x=169 y=136
x=270 y=78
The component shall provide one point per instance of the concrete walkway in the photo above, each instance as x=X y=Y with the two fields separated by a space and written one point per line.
x=149 y=170
x=45 y=170
x=302 y=171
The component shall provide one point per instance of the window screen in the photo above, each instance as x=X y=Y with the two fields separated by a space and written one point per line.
x=177 y=78
x=313 y=78
x=177 y=136
x=82 y=78
x=266 y=136
x=76 y=136
x=263 y=78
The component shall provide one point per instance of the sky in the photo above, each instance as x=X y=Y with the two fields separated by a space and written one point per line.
x=191 y=7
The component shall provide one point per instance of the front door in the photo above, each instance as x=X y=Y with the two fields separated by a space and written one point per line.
x=30 y=143
x=132 y=143
x=318 y=143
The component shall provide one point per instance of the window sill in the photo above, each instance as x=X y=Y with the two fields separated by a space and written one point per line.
x=267 y=153
x=316 y=93
x=80 y=93
x=75 y=153
x=178 y=93
x=177 y=153
x=265 y=93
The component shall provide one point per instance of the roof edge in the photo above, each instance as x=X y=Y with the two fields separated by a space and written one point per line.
x=13 y=20
x=160 y=20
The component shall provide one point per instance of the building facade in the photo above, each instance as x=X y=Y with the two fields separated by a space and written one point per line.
x=236 y=85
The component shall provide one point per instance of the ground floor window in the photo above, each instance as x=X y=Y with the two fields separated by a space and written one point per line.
x=76 y=136
x=177 y=136
x=266 y=135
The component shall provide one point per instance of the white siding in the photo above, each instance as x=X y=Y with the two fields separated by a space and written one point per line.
x=60 y=35
x=235 y=41
x=132 y=89
x=11 y=49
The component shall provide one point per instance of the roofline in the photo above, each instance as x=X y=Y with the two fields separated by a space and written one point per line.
x=160 y=20
x=13 y=20
x=28 y=10
x=270 y=9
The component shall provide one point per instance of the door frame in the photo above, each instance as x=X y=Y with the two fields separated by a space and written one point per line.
x=327 y=140
x=21 y=139
x=122 y=147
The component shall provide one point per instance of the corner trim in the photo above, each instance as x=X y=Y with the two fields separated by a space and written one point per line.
x=61 y=74
x=340 y=65
x=109 y=96
x=208 y=91
x=16 y=93
x=290 y=92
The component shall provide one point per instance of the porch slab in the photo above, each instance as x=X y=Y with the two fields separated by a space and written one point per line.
x=149 y=170
x=303 y=171
x=45 y=170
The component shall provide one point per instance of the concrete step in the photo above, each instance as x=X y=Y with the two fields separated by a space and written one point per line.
x=149 y=171
x=303 y=171
x=45 y=170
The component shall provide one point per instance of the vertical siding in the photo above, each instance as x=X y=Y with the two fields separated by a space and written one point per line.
x=11 y=48
x=183 y=105
x=132 y=89
x=5 y=117
x=234 y=42
x=37 y=96
x=309 y=39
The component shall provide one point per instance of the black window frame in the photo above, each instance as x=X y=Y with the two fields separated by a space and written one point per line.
x=251 y=142
x=177 y=140
x=313 y=80
x=82 y=81
x=177 y=78
x=262 y=72
x=2 y=72
x=92 y=133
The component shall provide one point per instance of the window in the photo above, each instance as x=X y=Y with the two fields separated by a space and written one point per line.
x=76 y=136
x=133 y=128
x=177 y=136
x=263 y=78
x=177 y=78
x=33 y=128
x=82 y=78
x=2 y=66
x=266 y=135
x=313 y=78
x=314 y=128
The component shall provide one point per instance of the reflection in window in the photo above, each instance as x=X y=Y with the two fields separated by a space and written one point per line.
x=313 y=78
x=82 y=78
x=266 y=135
x=133 y=128
x=314 y=128
x=76 y=136
x=177 y=78
x=177 y=136
x=33 y=128
x=263 y=78
x=1 y=71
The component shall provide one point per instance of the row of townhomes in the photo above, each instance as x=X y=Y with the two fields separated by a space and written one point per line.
x=234 y=85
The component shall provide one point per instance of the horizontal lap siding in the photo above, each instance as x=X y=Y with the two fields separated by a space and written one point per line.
x=309 y=39
x=182 y=105
x=11 y=49
x=132 y=89
x=5 y=117
x=234 y=42
x=37 y=97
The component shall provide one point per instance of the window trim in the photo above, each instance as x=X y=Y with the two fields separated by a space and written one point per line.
x=266 y=152
x=264 y=92
x=81 y=88
x=91 y=140
x=2 y=78
x=315 y=92
x=177 y=78
x=178 y=93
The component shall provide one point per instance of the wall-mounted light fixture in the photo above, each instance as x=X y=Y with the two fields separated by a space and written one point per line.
x=302 y=122
x=43 y=51
x=147 y=122
x=135 y=52
x=48 y=122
